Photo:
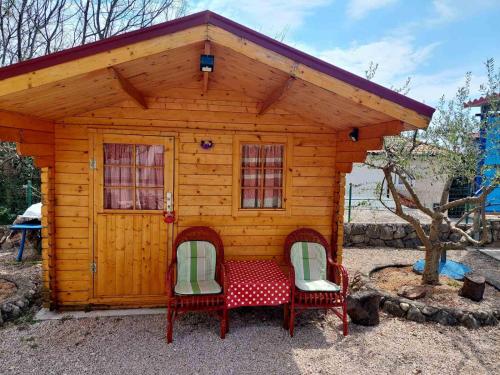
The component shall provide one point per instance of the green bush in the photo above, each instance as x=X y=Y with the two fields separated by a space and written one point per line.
x=15 y=171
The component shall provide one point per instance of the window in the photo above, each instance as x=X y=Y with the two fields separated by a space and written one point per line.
x=262 y=176
x=133 y=176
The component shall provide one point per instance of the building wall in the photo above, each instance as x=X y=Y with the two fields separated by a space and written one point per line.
x=203 y=178
x=427 y=185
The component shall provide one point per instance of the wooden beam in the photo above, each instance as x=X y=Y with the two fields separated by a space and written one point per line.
x=128 y=88
x=35 y=149
x=373 y=131
x=26 y=136
x=206 y=74
x=33 y=136
x=343 y=167
x=20 y=121
x=276 y=96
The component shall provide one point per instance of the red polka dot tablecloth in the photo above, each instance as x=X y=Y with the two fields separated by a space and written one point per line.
x=256 y=283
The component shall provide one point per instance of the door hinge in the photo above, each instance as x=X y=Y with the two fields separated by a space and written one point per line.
x=92 y=164
x=93 y=267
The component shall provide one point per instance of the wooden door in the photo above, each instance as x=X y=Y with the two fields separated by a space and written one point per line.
x=132 y=176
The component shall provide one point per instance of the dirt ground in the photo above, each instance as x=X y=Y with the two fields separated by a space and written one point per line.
x=446 y=294
x=256 y=343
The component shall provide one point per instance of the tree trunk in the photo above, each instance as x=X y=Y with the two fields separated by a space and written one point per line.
x=431 y=269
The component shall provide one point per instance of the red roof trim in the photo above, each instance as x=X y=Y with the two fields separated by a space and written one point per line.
x=208 y=17
x=480 y=101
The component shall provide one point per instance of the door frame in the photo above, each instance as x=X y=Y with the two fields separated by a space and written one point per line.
x=94 y=201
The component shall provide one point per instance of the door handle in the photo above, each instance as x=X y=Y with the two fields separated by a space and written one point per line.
x=169 y=202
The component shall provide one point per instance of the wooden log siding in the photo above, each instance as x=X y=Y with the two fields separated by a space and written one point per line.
x=49 y=291
x=203 y=178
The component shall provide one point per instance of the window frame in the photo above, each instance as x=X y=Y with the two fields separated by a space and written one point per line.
x=133 y=140
x=238 y=142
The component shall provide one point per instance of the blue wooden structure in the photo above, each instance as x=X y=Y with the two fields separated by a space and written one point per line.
x=489 y=143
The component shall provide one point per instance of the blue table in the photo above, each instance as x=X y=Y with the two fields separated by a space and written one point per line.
x=24 y=228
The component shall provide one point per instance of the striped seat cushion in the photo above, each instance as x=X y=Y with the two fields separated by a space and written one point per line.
x=317 y=286
x=197 y=287
x=309 y=262
x=196 y=268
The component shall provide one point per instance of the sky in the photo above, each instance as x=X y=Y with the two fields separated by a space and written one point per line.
x=435 y=42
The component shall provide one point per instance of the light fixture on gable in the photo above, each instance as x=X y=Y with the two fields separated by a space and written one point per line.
x=354 y=134
x=207 y=63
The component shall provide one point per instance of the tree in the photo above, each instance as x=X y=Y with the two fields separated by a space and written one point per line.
x=15 y=171
x=31 y=28
x=452 y=136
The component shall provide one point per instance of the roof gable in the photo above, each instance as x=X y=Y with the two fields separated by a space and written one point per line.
x=210 y=18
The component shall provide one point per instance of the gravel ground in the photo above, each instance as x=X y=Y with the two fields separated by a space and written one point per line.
x=256 y=343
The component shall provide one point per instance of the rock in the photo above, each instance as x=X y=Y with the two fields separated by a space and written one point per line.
x=444 y=227
x=358 y=229
x=358 y=238
x=399 y=233
x=11 y=311
x=490 y=321
x=473 y=287
x=404 y=306
x=412 y=292
x=480 y=315
x=415 y=315
x=376 y=242
x=363 y=308
x=429 y=310
x=444 y=318
x=470 y=322
x=443 y=236
x=20 y=304
x=411 y=243
x=393 y=309
x=386 y=232
x=409 y=229
x=373 y=231
x=411 y=235
x=395 y=243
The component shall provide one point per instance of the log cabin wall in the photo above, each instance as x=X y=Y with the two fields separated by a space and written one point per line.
x=203 y=178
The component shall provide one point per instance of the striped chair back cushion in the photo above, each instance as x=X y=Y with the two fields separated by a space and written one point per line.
x=196 y=261
x=309 y=261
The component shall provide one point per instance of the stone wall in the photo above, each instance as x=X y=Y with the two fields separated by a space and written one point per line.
x=399 y=235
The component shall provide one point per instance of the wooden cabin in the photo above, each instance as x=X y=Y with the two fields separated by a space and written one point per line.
x=255 y=148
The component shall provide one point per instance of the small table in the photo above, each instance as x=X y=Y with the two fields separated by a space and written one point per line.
x=24 y=228
x=256 y=283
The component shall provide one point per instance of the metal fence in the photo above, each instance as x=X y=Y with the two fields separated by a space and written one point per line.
x=362 y=204
x=361 y=198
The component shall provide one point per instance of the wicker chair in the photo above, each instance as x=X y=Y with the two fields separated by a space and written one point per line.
x=195 y=282
x=316 y=281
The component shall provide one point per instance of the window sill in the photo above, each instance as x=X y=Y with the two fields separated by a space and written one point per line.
x=261 y=212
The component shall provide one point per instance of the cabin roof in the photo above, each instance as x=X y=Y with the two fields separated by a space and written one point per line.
x=208 y=17
x=147 y=63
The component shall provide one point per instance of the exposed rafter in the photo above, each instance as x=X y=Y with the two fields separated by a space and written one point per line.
x=276 y=96
x=128 y=88
x=206 y=74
